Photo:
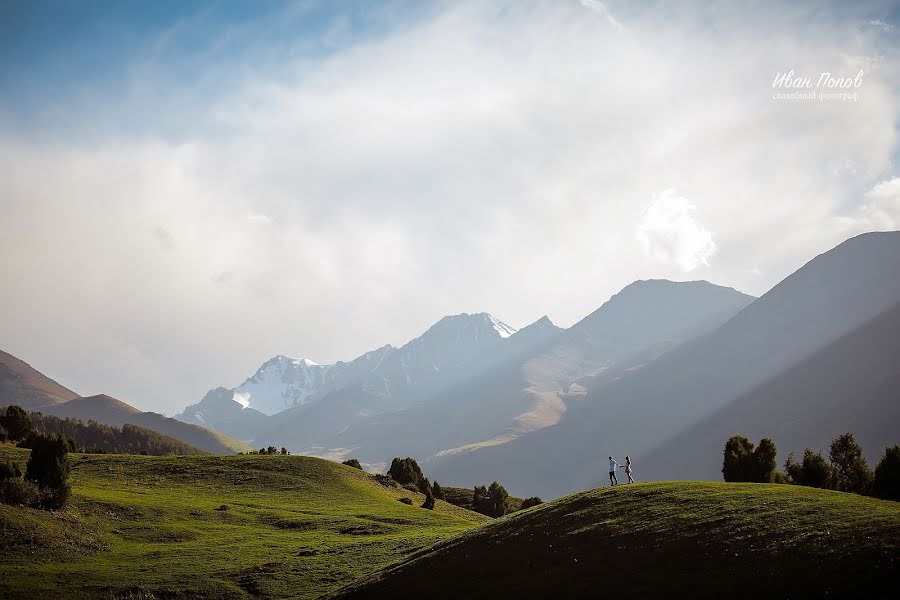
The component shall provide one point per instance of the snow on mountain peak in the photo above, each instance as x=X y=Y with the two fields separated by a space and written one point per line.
x=502 y=328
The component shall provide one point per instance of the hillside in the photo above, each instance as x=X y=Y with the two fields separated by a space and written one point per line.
x=852 y=385
x=23 y=385
x=677 y=540
x=295 y=527
x=109 y=410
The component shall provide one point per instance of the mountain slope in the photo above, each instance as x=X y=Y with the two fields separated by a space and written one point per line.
x=682 y=539
x=21 y=384
x=853 y=384
x=634 y=411
x=151 y=527
x=108 y=410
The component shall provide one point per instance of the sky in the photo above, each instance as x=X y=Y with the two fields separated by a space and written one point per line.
x=190 y=188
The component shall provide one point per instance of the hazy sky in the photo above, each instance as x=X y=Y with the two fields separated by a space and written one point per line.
x=187 y=189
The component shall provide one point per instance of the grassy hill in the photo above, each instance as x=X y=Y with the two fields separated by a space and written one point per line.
x=21 y=384
x=144 y=526
x=681 y=539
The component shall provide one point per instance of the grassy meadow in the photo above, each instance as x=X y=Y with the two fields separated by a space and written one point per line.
x=671 y=539
x=212 y=526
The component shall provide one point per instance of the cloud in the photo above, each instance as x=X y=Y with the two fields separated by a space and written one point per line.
x=259 y=219
x=669 y=232
x=473 y=160
x=880 y=209
x=601 y=8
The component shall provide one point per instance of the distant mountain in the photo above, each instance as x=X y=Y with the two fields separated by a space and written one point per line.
x=21 y=384
x=632 y=411
x=853 y=384
x=383 y=380
x=470 y=381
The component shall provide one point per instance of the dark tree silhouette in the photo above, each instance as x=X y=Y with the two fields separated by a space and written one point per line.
x=353 y=463
x=739 y=462
x=851 y=472
x=812 y=471
x=16 y=423
x=887 y=475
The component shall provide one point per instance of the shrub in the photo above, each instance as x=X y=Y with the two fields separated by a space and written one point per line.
x=284 y=451
x=9 y=470
x=53 y=498
x=851 y=472
x=405 y=470
x=405 y=500
x=887 y=475
x=48 y=465
x=16 y=422
x=529 y=502
x=19 y=492
x=429 y=499
x=813 y=471
x=739 y=461
x=353 y=463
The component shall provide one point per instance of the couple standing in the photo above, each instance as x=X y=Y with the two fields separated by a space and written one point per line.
x=612 y=470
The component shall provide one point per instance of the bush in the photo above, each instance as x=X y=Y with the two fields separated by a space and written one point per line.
x=887 y=475
x=405 y=500
x=851 y=472
x=429 y=499
x=529 y=502
x=353 y=463
x=54 y=498
x=9 y=470
x=16 y=423
x=405 y=470
x=813 y=471
x=19 y=492
x=48 y=465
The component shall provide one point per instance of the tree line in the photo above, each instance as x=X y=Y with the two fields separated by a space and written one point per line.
x=91 y=437
x=845 y=469
x=492 y=500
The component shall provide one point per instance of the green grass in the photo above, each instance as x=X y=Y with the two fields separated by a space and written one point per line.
x=144 y=526
x=672 y=539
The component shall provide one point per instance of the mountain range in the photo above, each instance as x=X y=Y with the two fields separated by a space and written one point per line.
x=663 y=371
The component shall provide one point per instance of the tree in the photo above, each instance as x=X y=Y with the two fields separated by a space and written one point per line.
x=887 y=475
x=429 y=499
x=49 y=467
x=851 y=472
x=271 y=450
x=284 y=451
x=529 y=502
x=437 y=491
x=406 y=470
x=481 y=500
x=499 y=500
x=353 y=463
x=813 y=471
x=16 y=422
x=739 y=461
x=9 y=470
x=764 y=461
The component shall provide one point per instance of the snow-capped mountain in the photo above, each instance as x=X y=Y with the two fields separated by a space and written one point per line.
x=283 y=382
x=390 y=376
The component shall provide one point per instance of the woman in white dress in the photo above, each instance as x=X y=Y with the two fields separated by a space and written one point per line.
x=628 y=469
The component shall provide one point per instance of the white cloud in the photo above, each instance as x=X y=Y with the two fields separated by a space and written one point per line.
x=880 y=209
x=478 y=160
x=602 y=10
x=670 y=232
x=259 y=219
